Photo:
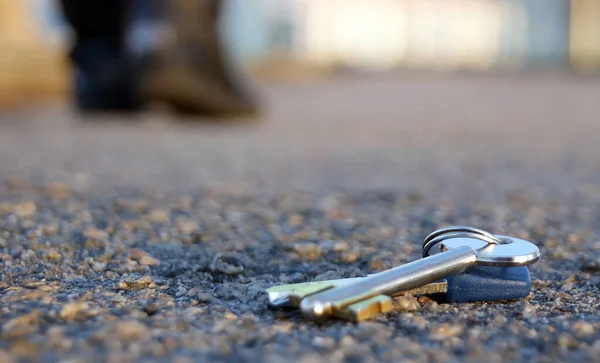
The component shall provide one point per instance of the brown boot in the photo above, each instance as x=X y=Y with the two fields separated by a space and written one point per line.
x=187 y=67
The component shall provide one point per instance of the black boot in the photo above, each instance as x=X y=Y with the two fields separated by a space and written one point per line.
x=103 y=77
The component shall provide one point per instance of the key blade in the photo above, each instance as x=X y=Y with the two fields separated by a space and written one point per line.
x=366 y=309
x=438 y=287
x=382 y=304
x=290 y=295
x=359 y=308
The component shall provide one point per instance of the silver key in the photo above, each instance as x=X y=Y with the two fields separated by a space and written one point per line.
x=290 y=295
x=447 y=252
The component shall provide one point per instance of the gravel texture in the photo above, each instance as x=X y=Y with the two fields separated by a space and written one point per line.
x=155 y=241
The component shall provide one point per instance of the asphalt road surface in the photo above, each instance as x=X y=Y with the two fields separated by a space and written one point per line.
x=151 y=239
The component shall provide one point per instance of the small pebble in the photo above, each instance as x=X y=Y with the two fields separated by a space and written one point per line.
x=324 y=343
x=347 y=342
x=336 y=246
x=428 y=303
x=58 y=190
x=135 y=285
x=5 y=357
x=159 y=216
x=136 y=254
x=349 y=256
x=203 y=297
x=447 y=330
x=181 y=291
x=592 y=266
x=98 y=266
x=94 y=233
x=74 y=311
x=186 y=226
x=406 y=303
x=151 y=309
x=149 y=261
x=282 y=327
x=308 y=251
x=53 y=255
x=378 y=265
x=583 y=329
x=130 y=330
x=230 y=316
x=10 y=182
x=25 y=209
x=527 y=309
x=568 y=342
x=21 y=325
x=420 y=322
x=228 y=265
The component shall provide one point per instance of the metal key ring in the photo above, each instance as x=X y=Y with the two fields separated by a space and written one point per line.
x=453 y=229
x=438 y=238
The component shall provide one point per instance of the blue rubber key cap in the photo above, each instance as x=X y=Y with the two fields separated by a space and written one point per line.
x=485 y=283
x=501 y=276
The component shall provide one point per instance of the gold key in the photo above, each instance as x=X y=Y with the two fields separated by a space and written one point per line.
x=290 y=295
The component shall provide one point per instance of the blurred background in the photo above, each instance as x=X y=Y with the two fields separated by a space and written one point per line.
x=301 y=38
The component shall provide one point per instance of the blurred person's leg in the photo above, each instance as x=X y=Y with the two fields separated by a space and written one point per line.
x=131 y=51
x=103 y=75
x=188 y=68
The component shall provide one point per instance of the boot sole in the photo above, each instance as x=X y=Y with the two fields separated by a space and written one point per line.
x=184 y=89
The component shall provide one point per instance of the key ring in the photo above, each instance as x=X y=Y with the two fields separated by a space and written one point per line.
x=443 y=234
x=452 y=229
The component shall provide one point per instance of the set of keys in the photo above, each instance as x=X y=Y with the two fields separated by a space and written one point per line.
x=461 y=264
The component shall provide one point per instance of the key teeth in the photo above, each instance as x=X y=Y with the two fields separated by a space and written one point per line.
x=366 y=309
